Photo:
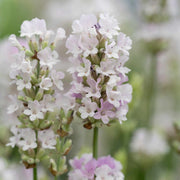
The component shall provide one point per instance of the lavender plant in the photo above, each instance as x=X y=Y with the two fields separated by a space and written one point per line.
x=87 y=168
x=99 y=94
x=43 y=125
x=99 y=52
x=148 y=153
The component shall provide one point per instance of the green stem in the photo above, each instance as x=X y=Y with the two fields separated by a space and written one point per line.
x=38 y=69
x=35 y=177
x=95 y=143
x=142 y=174
x=38 y=72
x=151 y=89
x=35 y=173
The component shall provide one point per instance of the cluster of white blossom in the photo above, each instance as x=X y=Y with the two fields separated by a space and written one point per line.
x=36 y=104
x=99 y=53
x=37 y=83
x=88 y=168
x=6 y=51
x=26 y=138
x=148 y=143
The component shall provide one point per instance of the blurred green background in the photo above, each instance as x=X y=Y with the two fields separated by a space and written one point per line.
x=154 y=27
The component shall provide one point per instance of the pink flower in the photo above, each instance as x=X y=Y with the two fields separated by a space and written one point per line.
x=93 y=90
x=105 y=112
x=89 y=168
x=99 y=52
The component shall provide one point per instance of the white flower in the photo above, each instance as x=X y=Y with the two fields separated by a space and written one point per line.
x=85 y=27
x=34 y=27
x=18 y=59
x=47 y=138
x=26 y=67
x=77 y=26
x=23 y=83
x=113 y=81
x=29 y=139
x=111 y=50
x=77 y=87
x=57 y=77
x=15 y=42
x=88 y=108
x=14 y=140
x=106 y=68
x=16 y=65
x=34 y=111
x=103 y=172
x=93 y=90
x=13 y=74
x=15 y=105
x=113 y=97
x=49 y=36
x=75 y=63
x=124 y=43
x=118 y=176
x=85 y=24
x=60 y=34
x=47 y=57
x=88 y=44
x=126 y=93
x=108 y=26
x=77 y=175
x=121 y=113
x=46 y=83
x=123 y=70
x=73 y=46
x=47 y=103
x=84 y=69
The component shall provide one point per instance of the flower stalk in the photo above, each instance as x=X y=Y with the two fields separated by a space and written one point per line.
x=95 y=142
x=42 y=119
x=35 y=177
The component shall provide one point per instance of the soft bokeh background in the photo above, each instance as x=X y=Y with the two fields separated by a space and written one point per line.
x=144 y=143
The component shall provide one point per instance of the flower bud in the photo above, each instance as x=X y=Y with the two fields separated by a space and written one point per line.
x=62 y=113
x=36 y=122
x=67 y=146
x=40 y=154
x=39 y=95
x=69 y=116
x=23 y=118
x=34 y=79
x=53 y=167
x=45 y=124
x=62 y=167
x=15 y=42
x=27 y=159
x=61 y=132
x=29 y=53
x=25 y=98
x=44 y=44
